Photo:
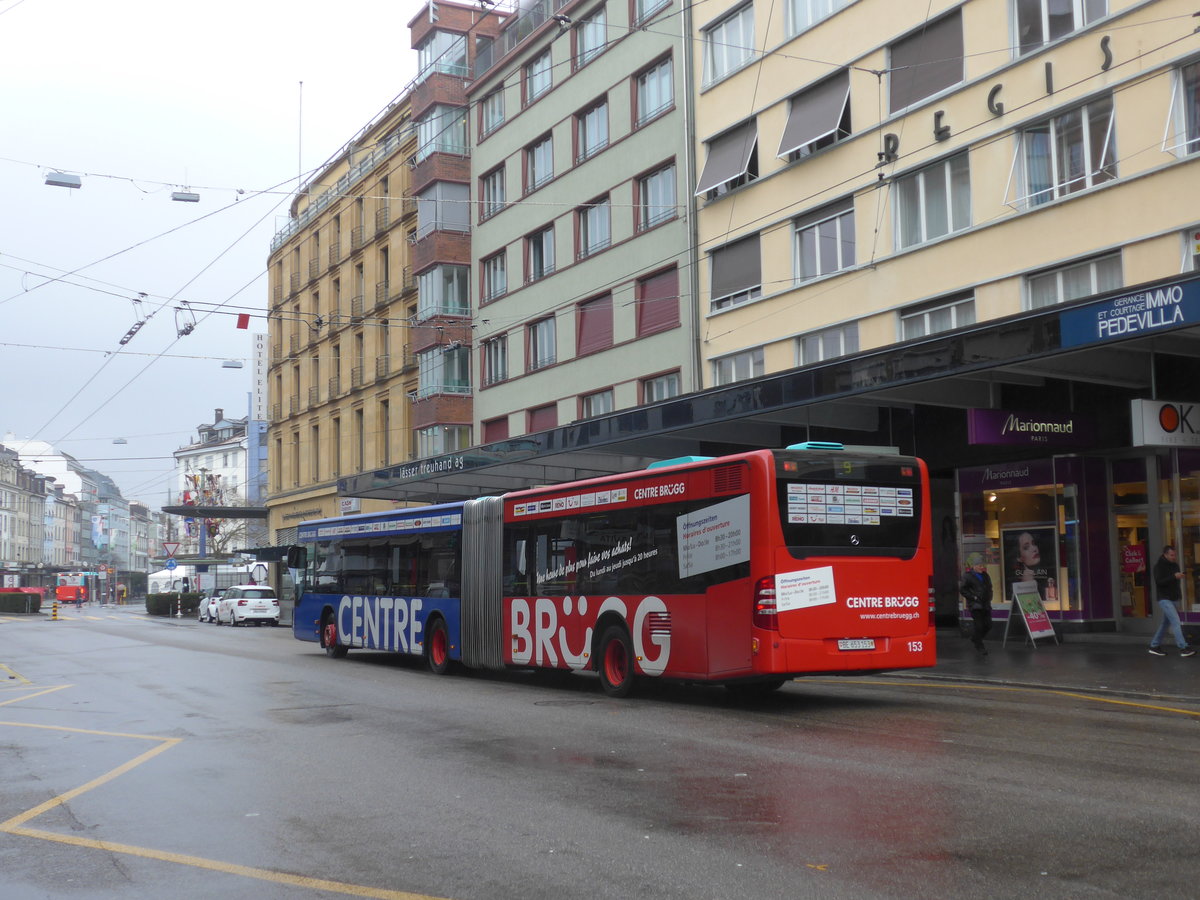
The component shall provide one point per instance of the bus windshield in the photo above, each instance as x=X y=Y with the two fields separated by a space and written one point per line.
x=845 y=505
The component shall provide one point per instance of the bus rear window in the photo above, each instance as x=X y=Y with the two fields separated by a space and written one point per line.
x=845 y=505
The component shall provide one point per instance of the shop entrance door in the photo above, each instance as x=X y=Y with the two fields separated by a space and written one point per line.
x=1135 y=594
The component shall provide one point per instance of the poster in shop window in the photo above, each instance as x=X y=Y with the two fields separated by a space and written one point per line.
x=1029 y=557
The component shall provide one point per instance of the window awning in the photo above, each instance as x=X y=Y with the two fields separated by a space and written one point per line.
x=816 y=113
x=728 y=157
x=736 y=267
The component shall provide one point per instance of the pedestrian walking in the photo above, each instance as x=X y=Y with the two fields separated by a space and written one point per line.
x=1168 y=582
x=976 y=587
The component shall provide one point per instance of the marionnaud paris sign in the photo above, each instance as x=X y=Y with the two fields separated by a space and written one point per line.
x=1141 y=312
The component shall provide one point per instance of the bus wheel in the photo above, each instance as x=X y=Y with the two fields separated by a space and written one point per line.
x=616 y=662
x=755 y=689
x=329 y=638
x=437 y=648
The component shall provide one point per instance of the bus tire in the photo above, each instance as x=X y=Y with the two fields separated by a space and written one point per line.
x=615 y=663
x=437 y=647
x=329 y=638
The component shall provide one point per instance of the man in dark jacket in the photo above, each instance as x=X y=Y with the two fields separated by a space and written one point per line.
x=1168 y=581
x=976 y=587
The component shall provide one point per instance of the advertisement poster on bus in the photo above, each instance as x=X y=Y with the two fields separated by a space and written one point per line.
x=1029 y=557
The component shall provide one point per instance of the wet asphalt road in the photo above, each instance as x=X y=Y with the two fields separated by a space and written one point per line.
x=141 y=758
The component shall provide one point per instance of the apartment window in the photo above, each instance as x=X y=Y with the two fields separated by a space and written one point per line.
x=657 y=298
x=595 y=232
x=736 y=273
x=597 y=404
x=732 y=161
x=439 y=439
x=542 y=418
x=738 y=367
x=927 y=61
x=933 y=201
x=494 y=277
x=384 y=433
x=1069 y=152
x=1191 y=253
x=941 y=315
x=1080 y=279
x=591 y=34
x=443 y=129
x=660 y=387
x=594 y=325
x=824 y=241
x=539 y=254
x=542 y=345
x=537 y=77
x=1183 y=120
x=444 y=370
x=442 y=291
x=804 y=14
x=442 y=51
x=817 y=118
x=495 y=360
x=591 y=131
x=655 y=92
x=828 y=343
x=644 y=9
x=492 y=111
x=539 y=163
x=728 y=44
x=491 y=192
x=443 y=206
x=1040 y=21
x=656 y=197
x=360 y=441
x=495 y=430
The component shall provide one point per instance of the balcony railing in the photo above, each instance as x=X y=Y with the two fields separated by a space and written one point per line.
x=294 y=282
x=381 y=293
x=409 y=360
x=358 y=237
x=408 y=207
x=277 y=295
x=293 y=344
x=335 y=252
x=356 y=377
x=314 y=268
x=409 y=283
x=382 y=364
x=276 y=412
x=382 y=219
x=335 y=386
x=293 y=406
x=314 y=396
x=356 y=306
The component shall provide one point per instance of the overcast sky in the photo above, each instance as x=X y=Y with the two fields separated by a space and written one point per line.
x=140 y=98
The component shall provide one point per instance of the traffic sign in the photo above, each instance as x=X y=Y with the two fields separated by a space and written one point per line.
x=169 y=547
x=171 y=564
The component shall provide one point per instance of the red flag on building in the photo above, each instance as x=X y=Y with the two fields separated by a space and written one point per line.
x=243 y=320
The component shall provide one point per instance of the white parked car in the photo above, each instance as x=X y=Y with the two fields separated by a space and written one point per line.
x=248 y=603
x=207 y=611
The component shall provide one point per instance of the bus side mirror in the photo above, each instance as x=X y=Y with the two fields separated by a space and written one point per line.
x=297 y=557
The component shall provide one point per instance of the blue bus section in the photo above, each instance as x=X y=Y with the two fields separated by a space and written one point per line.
x=390 y=624
x=377 y=581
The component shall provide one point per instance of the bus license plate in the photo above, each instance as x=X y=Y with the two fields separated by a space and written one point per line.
x=857 y=644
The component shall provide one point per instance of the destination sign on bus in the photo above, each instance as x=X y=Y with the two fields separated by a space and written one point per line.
x=846 y=504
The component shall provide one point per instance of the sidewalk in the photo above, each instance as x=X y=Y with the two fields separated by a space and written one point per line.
x=1119 y=665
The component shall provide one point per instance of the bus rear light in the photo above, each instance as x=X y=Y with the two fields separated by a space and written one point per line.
x=765 y=612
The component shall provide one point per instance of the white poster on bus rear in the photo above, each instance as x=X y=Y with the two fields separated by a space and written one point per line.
x=802 y=590
x=714 y=537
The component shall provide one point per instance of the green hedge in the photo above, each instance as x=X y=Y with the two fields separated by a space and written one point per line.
x=16 y=602
x=165 y=604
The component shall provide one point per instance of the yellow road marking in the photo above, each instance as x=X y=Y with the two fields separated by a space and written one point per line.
x=1014 y=690
x=14 y=675
x=17 y=824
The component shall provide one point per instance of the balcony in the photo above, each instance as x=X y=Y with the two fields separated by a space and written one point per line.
x=441 y=409
x=438 y=88
x=408 y=207
x=408 y=283
x=293 y=344
x=382 y=366
x=409 y=361
x=357 y=306
x=358 y=237
x=314 y=268
x=294 y=282
x=335 y=386
x=440 y=166
x=276 y=295
x=441 y=246
x=276 y=412
x=314 y=396
x=356 y=377
x=335 y=253
x=382 y=220
x=276 y=354
x=294 y=406
x=381 y=293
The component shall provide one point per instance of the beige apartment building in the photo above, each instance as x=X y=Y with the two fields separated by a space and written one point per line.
x=342 y=299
